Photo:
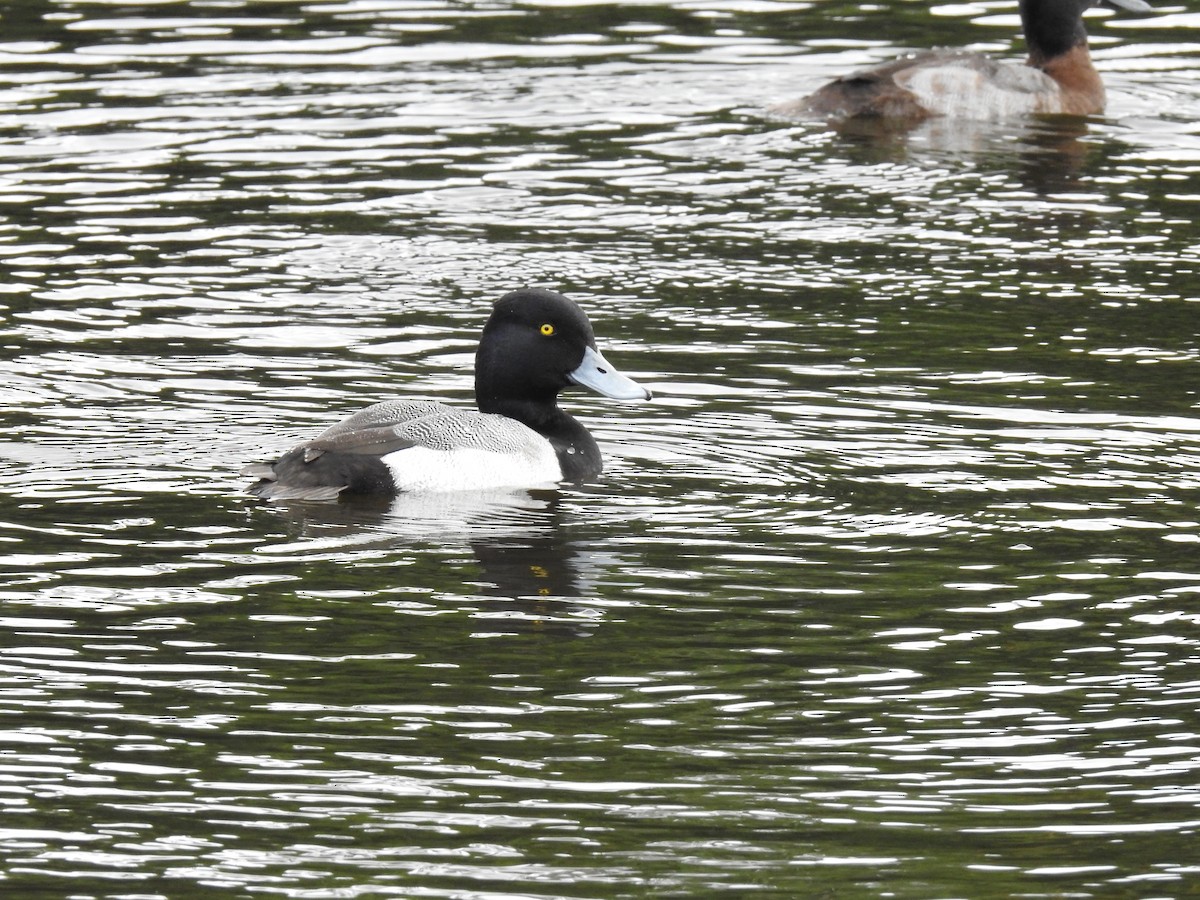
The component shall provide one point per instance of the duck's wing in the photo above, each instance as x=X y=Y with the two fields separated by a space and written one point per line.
x=402 y=424
x=933 y=83
x=385 y=414
x=970 y=85
x=871 y=92
x=350 y=456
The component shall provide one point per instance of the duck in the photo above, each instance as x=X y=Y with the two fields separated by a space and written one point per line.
x=1057 y=77
x=535 y=344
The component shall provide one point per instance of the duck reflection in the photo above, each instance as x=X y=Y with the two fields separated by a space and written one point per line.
x=1050 y=152
x=529 y=567
x=516 y=537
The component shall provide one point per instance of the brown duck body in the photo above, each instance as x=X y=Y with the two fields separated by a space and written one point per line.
x=1057 y=78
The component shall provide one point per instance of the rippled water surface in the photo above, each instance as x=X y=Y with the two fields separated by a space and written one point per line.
x=891 y=591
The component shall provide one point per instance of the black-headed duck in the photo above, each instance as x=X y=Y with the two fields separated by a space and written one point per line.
x=535 y=344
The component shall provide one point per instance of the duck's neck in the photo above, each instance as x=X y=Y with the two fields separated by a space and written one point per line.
x=577 y=451
x=1058 y=46
x=1080 y=84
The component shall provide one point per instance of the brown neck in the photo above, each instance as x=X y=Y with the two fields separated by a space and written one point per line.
x=1082 y=90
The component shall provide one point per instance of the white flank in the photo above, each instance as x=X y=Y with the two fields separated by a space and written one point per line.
x=472 y=469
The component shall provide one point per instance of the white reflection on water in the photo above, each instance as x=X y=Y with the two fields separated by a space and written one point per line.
x=441 y=517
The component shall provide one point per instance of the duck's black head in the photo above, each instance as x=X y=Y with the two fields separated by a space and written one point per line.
x=1053 y=27
x=534 y=339
x=535 y=344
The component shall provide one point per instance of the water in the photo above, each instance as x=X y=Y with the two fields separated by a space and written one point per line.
x=890 y=591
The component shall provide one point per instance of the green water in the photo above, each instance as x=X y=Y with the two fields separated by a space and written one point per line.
x=889 y=592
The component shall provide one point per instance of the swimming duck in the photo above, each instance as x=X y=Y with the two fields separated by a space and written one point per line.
x=1058 y=77
x=535 y=344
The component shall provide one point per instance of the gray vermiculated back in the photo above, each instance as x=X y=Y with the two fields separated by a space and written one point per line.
x=426 y=423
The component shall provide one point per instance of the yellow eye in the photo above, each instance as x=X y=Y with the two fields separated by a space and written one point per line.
x=547 y=329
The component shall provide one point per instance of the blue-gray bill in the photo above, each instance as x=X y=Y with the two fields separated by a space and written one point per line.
x=601 y=376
